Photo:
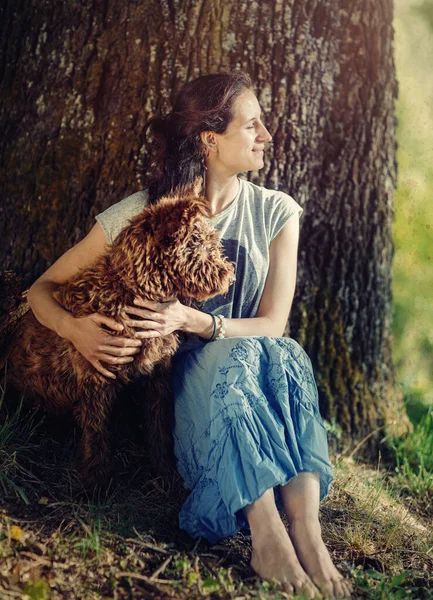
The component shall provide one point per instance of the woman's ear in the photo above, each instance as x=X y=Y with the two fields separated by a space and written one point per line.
x=209 y=141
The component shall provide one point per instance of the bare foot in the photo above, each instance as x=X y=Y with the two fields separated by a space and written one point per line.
x=316 y=560
x=274 y=557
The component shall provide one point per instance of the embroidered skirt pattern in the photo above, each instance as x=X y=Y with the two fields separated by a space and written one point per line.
x=246 y=419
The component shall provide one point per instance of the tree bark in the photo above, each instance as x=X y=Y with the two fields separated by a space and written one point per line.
x=78 y=80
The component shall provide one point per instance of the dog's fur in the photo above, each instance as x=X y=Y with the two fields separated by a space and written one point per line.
x=168 y=250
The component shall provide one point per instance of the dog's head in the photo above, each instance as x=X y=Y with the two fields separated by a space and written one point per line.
x=193 y=253
x=172 y=250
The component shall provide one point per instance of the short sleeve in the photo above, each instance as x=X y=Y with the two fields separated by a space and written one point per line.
x=284 y=207
x=117 y=217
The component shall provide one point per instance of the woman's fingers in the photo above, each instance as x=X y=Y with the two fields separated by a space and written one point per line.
x=162 y=318
x=148 y=333
x=149 y=320
x=147 y=324
x=115 y=360
x=111 y=360
x=143 y=313
x=109 y=322
x=102 y=370
x=119 y=351
x=111 y=340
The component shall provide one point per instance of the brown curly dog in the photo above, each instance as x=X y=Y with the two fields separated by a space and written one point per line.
x=168 y=250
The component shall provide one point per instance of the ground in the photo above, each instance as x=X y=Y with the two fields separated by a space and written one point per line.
x=127 y=544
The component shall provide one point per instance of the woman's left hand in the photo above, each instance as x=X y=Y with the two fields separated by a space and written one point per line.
x=156 y=319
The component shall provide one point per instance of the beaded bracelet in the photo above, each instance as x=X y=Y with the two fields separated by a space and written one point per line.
x=212 y=337
x=222 y=330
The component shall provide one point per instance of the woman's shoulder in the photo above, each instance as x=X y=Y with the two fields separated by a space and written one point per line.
x=272 y=200
x=116 y=217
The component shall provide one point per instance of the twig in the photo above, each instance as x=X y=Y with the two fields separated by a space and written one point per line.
x=209 y=555
x=196 y=545
x=140 y=542
x=148 y=583
x=147 y=545
x=160 y=569
x=426 y=554
x=151 y=546
x=84 y=526
x=10 y=594
x=36 y=559
x=358 y=446
x=145 y=580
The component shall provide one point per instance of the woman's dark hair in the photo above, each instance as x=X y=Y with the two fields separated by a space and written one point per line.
x=203 y=104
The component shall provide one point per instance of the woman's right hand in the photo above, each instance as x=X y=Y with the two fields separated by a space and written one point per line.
x=96 y=344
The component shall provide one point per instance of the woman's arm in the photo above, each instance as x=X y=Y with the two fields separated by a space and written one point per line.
x=85 y=333
x=274 y=307
x=45 y=308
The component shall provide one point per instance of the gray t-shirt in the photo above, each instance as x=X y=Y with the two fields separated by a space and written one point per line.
x=247 y=227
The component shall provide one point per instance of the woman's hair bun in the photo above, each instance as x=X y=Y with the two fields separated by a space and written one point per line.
x=157 y=126
x=158 y=129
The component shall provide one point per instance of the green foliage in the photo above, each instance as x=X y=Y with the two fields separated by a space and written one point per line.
x=378 y=586
x=8 y=422
x=16 y=433
x=413 y=226
x=414 y=456
x=210 y=585
x=38 y=591
x=89 y=544
x=425 y=11
x=333 y=428
x=415 y=405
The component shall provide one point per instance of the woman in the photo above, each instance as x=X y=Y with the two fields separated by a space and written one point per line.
x=246 y=407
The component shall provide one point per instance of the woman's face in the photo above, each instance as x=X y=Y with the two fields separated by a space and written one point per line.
x=242 y=145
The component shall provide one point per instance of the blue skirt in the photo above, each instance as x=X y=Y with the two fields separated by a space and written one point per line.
x=246 y=419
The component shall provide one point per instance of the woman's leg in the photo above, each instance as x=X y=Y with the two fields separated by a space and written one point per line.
x=273 y=555
x=301 y=498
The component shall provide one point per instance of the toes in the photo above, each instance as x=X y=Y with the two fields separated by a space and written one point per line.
x=327 y=589
x=343 y=588
x=301 y=587
x=288 y=588
x=339 y=589
x=307 y=588
x=310 y=591
x=335 y=588
x=348 y=587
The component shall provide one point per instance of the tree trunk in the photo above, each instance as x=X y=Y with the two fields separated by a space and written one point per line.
x=80 y=79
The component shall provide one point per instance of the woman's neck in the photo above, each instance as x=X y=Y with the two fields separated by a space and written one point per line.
x=220 y=191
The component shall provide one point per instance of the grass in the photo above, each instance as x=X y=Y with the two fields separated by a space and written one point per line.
x=15 y=440
x=89 y=540
x=127 y=544
x=414 y=459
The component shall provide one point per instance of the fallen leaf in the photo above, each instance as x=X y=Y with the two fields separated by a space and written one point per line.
x=17 y=533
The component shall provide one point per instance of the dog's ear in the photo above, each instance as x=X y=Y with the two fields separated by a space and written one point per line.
x=137 y=256
x=195 y=206
x=197 y=264
x=176 y=217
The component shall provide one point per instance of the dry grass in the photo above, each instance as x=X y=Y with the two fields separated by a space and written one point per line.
x=128 y=544
x=383 y=529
